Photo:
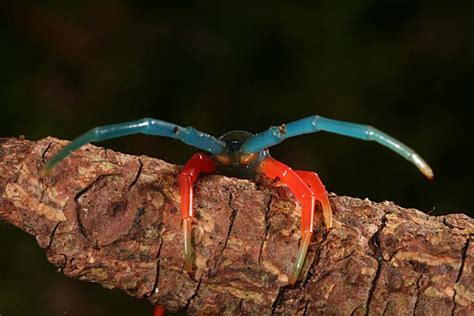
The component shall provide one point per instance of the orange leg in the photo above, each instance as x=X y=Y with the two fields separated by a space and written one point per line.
x=188 y=176
x=313 y=181
x=304 y=194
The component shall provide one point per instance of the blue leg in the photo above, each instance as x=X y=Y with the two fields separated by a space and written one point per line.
x=148 y=126
x=276 y=134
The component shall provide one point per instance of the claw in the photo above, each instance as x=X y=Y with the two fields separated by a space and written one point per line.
x=300 y=257
x=327 y=214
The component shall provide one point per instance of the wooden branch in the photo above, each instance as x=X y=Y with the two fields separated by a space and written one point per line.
x=114 y=219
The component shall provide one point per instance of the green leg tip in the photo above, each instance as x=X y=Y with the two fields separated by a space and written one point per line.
x=301 y=256
x=188 y=247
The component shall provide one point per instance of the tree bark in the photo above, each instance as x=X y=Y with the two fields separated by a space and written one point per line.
x=114 y=219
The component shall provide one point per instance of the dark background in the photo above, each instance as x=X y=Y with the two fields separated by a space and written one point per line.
x=406 y=67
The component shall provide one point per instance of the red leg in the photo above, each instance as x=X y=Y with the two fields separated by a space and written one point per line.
x=312 y=179
x=303 y=193
x=159 y=310
x=188 y=176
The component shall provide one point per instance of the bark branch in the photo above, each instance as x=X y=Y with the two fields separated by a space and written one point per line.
x=114 y=219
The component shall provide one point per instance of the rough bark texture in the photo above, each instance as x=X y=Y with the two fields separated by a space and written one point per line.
x=114 y=219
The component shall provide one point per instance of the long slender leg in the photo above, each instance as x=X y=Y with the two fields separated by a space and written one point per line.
x=315 y=184
x=197 y=164
x=276 y=134
x=275 y=169
x=149 y=126
x=159 y=310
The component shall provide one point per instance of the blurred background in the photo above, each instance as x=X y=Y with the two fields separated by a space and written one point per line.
x=406 y=67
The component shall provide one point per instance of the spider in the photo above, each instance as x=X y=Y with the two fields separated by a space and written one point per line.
x=242 y=154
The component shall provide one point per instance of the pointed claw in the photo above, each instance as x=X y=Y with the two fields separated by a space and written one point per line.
x=327 y=215
x=304 y=244
x=188 y=246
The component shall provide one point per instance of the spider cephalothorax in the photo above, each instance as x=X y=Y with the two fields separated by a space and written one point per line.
x=239 y=153
x=233 y=162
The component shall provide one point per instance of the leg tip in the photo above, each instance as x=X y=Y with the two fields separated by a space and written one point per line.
x=328 y=223
x=188 y=246
x=292 y=280
x=327 y=215
x=44 y=172
x=188 y=265
x=300 y=257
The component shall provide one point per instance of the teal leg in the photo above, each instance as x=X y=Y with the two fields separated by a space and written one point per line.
x=276 y=134
x=148 y=126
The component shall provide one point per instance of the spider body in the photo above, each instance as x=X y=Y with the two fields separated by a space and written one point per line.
x=233 y=162
x=242 y=154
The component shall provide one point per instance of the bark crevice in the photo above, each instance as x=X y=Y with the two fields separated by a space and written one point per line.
x=377 y=254
x=460 y=272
